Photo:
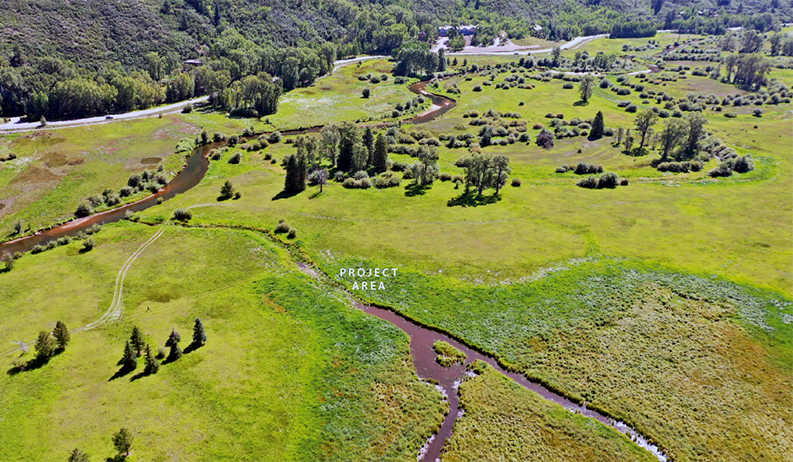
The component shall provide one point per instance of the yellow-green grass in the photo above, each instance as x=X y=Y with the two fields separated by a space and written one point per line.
x=614 y=46
x=448 y=355
x=57 y=169
x=338 y=97
x=537 y=42
x=505 y=422
x=288 y=373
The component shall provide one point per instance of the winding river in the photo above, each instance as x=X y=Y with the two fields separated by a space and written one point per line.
x=422 y=338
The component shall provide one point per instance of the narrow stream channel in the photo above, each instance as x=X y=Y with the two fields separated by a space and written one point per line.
x=448 y=378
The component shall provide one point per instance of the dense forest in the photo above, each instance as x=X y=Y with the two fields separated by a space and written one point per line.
x=76 y=59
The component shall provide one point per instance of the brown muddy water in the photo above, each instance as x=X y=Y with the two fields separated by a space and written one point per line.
x=195 y=169
x=448 y=379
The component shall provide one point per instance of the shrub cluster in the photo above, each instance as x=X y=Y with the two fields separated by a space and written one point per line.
x=608 y=180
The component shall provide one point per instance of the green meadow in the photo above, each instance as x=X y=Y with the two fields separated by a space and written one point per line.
x=288 y=373
x=656 y=302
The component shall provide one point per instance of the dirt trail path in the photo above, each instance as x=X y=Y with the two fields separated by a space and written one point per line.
x=116 y=309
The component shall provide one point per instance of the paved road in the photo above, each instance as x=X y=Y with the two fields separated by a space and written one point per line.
x=572 y=44
x=16 y=126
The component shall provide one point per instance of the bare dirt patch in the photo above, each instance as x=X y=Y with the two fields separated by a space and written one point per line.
x=35 y=175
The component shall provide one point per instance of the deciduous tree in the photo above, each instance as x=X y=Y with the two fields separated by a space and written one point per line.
x=644 y=124
x=122 y=441
x=586 y=87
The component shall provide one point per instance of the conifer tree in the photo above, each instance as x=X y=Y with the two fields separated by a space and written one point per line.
x=380 y=157
x=227 y=190
x=61 y=334
x=173 y=343
x=368 y=142
x=294 y=182
x=130 y=360
x=45 y=346
x=151 y=364
x=136 y=339
x=199 y=334
x=597 y=126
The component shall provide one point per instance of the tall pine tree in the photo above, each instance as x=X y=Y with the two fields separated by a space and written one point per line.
x=295 y=181
x=61 y=334
x=136 y=339
x=199 y=334
x=130 y=360
x=368 y=141
x=380 y=156
x=597 y=127
x=173 y=343
x=151 y=365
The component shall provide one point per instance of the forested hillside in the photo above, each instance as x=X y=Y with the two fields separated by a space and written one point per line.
x=63 y=59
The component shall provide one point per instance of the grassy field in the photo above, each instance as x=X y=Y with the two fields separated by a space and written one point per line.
x=338 y=97
x=288 y=372
x=505 y=422
x=656 y=302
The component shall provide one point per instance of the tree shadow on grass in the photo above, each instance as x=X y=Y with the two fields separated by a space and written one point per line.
x=192 y=347
x=284 y=195
x=472 y=199
x=120 y=373
x=414 y=189
x=581 y=103
x=118 y=458
x=30 y=365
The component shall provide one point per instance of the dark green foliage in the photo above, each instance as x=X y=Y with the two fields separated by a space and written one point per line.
x=743 y=164
x=282 y=227
x=182 y=215
x=295 y=182
x=199 y=334
x=608 y=180
x=173 y=343
x=151 y=365
x=136 y=340
x=88 y=244
x=227 y=190
x=83 y=210
x=235 y=159
x=585 y=168
x=597 y=126
x=590 y=182
x=45 y=346
x=366 y=92
x=129 y=360
x=380 y=154
x=61 y=334
x=78 y=456
x=122 y=441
